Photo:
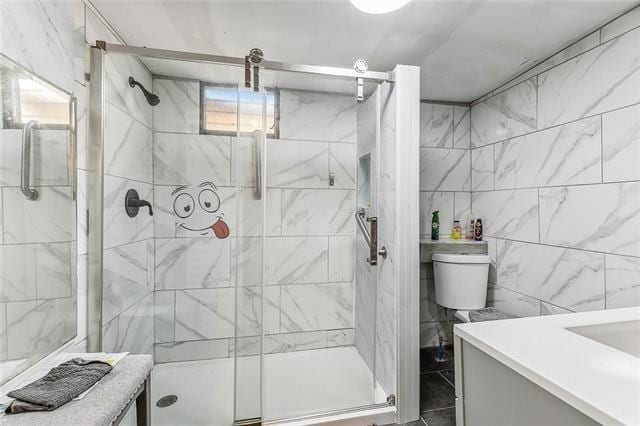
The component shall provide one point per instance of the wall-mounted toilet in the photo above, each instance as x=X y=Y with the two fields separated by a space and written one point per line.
x=461 y=282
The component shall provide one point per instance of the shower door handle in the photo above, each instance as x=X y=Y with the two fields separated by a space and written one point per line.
x=370 y=236
x=258 y=138
x=25 y=170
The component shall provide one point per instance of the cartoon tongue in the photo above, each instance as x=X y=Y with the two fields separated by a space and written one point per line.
x=221 y=229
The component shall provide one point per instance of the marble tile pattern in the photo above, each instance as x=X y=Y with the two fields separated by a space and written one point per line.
x=556 y=179
x=593 y=217
x=445 y=169
x=317 y=116
x=26 y=221
x=611 y=73
x=621 y=145
x=131 y=331
x=36 y=271
x=512 y=302
x=573 y=279
x=49 y=157
x=30 y=330
x=387 y=161
x=317 y=212
x=191 y=350
x=508 y=214
x=586 y=43
x=192 y=159
x=565 y=155
x=482 y=168
x=119 y=228
x=317 y=306
x=621 y=25
x=179 y=107
x=290 y=260
x=184 y=263
x=297 y=164
x=117 y=70
x=124 y=278
x=341 y=258
x=41 y=37
x=505 y=115
x=461 y=127
x=342 y=163
x=623 y=281
x=436 y=125
x=128 y=146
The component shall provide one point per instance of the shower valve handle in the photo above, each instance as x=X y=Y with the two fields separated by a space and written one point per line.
x=132 y=203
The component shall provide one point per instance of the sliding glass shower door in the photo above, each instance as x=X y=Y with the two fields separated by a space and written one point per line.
x=253 y=302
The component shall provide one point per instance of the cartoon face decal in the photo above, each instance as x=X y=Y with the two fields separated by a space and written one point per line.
x=197 y=209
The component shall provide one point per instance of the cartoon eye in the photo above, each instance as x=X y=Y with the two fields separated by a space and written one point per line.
x=183 y=205
x=209 y=200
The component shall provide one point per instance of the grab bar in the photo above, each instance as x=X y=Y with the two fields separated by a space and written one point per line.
x=258 y=137
x=370 y=236
x=25 y=171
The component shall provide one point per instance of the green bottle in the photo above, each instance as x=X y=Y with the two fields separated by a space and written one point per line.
x=435 y=226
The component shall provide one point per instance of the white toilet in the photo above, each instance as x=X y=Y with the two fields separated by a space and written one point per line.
x=461 y=282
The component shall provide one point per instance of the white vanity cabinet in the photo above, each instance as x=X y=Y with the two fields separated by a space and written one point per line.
x=490 y=393
x=565 y=370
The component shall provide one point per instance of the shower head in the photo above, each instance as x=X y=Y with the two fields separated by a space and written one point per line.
x=151 y=98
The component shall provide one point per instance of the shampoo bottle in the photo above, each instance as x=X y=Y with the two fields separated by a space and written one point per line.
x=456 y=232
x=477 y=231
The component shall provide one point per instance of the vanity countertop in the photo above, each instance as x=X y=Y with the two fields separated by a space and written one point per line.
x=597 y=379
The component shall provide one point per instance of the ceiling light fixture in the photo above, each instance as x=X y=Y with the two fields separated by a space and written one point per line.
x=377 y=7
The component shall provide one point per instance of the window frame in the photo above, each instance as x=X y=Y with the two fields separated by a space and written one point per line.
x=203 y=127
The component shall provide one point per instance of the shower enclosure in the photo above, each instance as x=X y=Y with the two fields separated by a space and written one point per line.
x=251 y=283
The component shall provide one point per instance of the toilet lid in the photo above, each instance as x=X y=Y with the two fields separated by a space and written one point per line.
x=461 y=258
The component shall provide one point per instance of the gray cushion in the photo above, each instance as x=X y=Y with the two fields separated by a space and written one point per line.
x=102 y=405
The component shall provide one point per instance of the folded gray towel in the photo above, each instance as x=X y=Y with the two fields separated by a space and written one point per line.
x=488 y=314
x=59 y=386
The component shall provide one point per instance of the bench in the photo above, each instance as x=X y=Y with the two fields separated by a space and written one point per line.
x=106 y=404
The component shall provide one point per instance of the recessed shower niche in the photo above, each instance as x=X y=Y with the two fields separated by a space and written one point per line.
x=364 y=180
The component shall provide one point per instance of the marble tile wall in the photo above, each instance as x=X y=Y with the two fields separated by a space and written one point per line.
x=202 y=279
x=445 y=185
x=38 y=295
x=555 y=177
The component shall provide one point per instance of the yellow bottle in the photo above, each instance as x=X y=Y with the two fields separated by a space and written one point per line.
x=456 y=233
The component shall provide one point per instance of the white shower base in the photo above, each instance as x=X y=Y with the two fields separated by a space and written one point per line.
x=296 y=384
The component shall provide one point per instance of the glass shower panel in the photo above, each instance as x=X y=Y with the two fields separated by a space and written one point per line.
x=254 y=302
x=37 y=219
x=312 y=365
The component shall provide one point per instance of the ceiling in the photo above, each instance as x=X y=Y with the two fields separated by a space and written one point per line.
x=465 y=48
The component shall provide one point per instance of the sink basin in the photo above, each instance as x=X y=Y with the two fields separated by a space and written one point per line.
x=624 y=336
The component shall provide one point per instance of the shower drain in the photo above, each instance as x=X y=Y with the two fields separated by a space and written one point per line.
x=166 y=401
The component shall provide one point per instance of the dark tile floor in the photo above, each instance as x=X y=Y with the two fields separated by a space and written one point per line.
x=437 y=391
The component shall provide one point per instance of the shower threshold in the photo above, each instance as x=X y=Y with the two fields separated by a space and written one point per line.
x=305 y=387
